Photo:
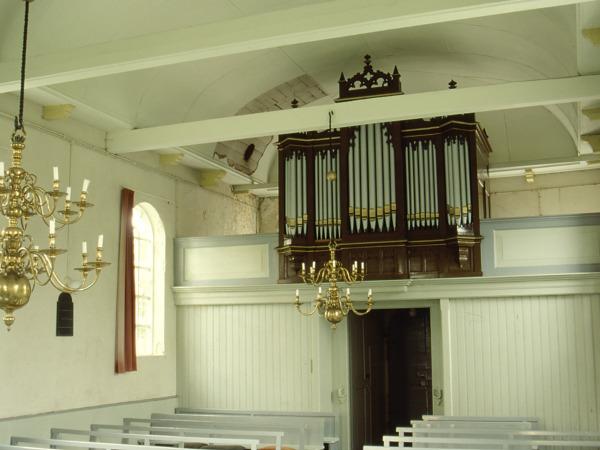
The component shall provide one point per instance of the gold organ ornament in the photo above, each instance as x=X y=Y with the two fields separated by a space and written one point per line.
x=333 y=306
x=24 y=265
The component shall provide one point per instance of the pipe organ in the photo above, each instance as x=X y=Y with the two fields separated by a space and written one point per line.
x=403 y=196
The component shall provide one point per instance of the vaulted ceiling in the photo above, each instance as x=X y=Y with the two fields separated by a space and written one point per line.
x=484 y=49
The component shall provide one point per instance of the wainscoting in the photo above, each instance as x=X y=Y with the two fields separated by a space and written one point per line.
x=251 y=357
x=38 y=425
x=525 y=346
x=525 y=356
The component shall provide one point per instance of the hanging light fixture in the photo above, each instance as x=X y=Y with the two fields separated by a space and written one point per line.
x=24 y=265
x=334 y=306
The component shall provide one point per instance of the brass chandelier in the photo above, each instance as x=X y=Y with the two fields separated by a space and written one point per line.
x=24 y=265
x=334 y=306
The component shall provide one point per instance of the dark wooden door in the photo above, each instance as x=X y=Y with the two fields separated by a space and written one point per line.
x=390 y=355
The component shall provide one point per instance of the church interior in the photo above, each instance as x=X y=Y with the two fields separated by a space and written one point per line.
x=341 y=224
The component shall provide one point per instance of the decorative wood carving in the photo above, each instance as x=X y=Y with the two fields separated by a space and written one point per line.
x=369 y=83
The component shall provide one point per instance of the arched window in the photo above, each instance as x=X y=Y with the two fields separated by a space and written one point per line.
x=149 y=273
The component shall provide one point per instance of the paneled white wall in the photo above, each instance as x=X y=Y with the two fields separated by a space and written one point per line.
x=251 y=357
x=527 y=356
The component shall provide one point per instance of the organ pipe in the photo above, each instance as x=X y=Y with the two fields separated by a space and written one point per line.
x=372 y=193
x=327 y=202
x=421 y=188
x=296 y=214
x=458 y=181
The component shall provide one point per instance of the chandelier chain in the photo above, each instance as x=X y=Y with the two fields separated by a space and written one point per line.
x=19 y=119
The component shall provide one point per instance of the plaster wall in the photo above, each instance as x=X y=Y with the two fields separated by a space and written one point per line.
x=550 y=194
x=55 y=377
x=214 y=211
x=268 y=211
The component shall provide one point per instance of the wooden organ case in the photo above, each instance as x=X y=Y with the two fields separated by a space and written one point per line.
x=405 y=197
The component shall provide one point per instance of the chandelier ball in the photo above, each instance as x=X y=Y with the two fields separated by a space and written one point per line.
x=333 y=316
x=15 y=291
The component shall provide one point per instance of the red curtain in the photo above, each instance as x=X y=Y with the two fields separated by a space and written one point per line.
x=125 y=357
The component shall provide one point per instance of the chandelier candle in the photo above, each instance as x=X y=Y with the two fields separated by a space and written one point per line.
x=334 y=306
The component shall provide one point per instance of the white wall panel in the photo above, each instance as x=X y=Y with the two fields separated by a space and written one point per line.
x=250 y=357
x=526 y=356
x=226 y=262
x=530 y=247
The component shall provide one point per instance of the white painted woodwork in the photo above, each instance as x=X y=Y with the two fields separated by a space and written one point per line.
x=226 y=262
x=322 y=21
x=529 y=356
x=39 y=425
x=553 y=246
x=373 y=110
x=263 y=357
x=390 y=291
x=509 y=346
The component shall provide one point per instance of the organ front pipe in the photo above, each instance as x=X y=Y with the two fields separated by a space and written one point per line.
x=463 y=192
x=371 y=177
x=364 y=198
x=350 y=186
x=385 y=182
x=407 y=168
x=436 y=202
x=329 y=194
x=467 y=181
x=392 y=165
x=287 y=194
x=338 y=196
x=356 y=180
x=299 y=193
x=379 y=177
x=317 y=181
x=425 y=155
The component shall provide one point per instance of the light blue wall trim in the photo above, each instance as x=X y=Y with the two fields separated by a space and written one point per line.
x=181 y=244
x=488 y=226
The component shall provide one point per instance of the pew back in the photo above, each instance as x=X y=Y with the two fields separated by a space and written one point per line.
x=252 y=444
x=298 y=432
x=168 y=435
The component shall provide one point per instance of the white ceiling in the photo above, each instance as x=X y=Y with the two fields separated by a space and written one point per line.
x=519 y=46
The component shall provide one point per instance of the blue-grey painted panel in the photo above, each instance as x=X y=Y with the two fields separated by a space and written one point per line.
x=181 y=244
x=488 y=226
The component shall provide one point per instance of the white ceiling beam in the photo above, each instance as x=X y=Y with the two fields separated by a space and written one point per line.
x=380 y=109
x=310 y=23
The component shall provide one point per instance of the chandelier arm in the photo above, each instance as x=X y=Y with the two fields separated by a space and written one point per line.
x=364 y=312
x=41 y=205
x=344 y=308
x=322 y=274
x=48 y=267
x=346 y=276
x=315 y=308
x=62 y=286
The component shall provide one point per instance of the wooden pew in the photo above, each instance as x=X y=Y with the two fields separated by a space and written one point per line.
x=149 y=435
x=252 y=444
x=329 y=419
x=513 y=442
x=489 y=422
x=304 y=434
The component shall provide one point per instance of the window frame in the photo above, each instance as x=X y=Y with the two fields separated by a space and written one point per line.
x=157 y=327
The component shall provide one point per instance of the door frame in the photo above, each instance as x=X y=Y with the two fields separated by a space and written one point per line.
x=342 y=374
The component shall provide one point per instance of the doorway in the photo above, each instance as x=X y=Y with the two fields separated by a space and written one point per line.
x=390 y=372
